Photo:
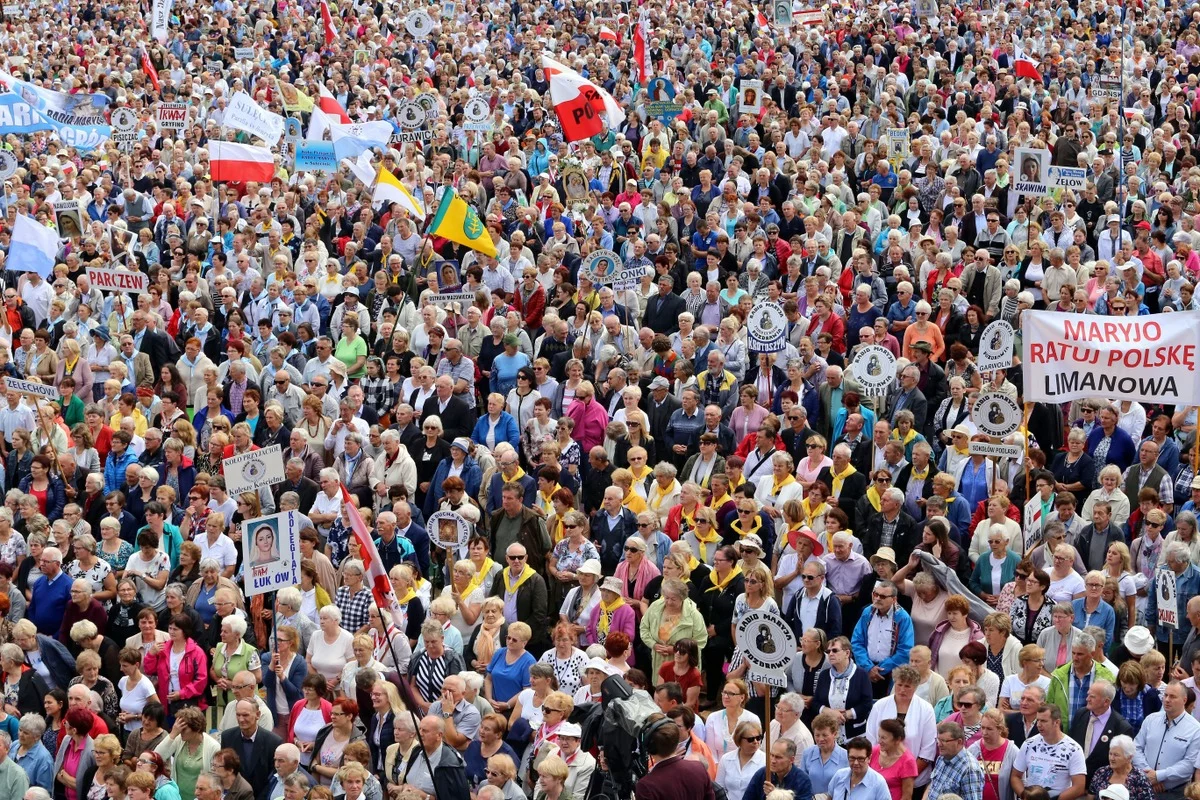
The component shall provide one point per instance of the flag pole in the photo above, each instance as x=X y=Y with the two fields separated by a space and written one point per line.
x=401 y=686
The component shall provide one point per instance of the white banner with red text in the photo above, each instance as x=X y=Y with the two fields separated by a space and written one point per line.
x=1076 y=356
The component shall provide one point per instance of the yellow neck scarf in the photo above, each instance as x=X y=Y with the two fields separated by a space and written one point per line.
x=873 y=496
x=520 y=474
x=69 y=367
x=693 y=562
x=606 y=615
x=811 y=513
x=556 y=535
x=718 y=584
x=778 y=485
x=912 y=434
x=963 y=451
x=720 y=501
x=687 y=522
x=408 y=596
x=919 y=475
x=705 y=541
x=838 y=477
x=657 y=494
x=544 y=497
x=736 y=526
x=642 y=474
x=509 y=586
x=477 y=580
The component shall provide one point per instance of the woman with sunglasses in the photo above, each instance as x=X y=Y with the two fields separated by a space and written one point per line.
x=736 y=767
x=844 y=687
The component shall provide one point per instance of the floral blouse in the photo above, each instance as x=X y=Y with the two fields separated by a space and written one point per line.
x=571 y=560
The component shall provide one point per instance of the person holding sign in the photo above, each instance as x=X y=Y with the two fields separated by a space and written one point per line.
x=1177 y=559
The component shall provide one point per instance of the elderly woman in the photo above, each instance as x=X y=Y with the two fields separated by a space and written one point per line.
x=88 y=566
x=189 y=751
x=23 y=688
x=612 y=614
x=354 y=467
x=1111 y=491
x=331 y=648
x=331 y=740
x=1028 y=673
x=671 y=618
x=508 y=670
x=431 y=661
x=1058 y=639
x=1066 y=584
x=996 y=568
x=664 y=493
x=571 y=552
x=232 y=655
x=203 y=593
x=88 y=663
x=787 y=723
x=490 y=743
x=1121 y=772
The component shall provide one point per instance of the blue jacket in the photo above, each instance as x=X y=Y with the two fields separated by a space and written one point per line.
x=829 y=613
x=1121 y=451
x=1187 y=586
x=56 y=494
x=795 y=781
x=290 y=683
x=471 y=475
x=903 y=641
x=187 y=477
x=38 y=765
x=1104 y=617
x=47 y=604
x=506 y=431
x=114 y=469
x=55 y=656
x=419 y=539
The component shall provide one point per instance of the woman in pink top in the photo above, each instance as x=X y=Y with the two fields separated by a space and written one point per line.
x=75 y=756
x=893 y=760
x=589 y=416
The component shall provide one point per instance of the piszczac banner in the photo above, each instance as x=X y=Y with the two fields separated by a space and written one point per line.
x=1074 y=356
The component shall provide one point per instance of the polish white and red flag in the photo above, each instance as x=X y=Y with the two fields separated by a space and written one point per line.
x=582 y=106
x=327 y=23
x=641 y=50
x=231 y=161
x=376 y=575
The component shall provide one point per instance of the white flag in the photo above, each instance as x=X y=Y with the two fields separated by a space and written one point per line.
x=246 y=115
x=160 y=19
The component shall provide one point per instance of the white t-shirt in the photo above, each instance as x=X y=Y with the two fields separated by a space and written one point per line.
x=1014 y=687
x=1064 y=590
x=133 y=699
x=1050 y=765
x=224 y=551
x=137 y=567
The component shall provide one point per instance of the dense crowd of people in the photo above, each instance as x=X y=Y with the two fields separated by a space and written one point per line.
x=633 y=472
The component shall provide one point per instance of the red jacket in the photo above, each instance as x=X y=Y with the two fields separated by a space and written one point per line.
x=326 y=714
x=835 y=326
x=535 y=309
x=193 y=672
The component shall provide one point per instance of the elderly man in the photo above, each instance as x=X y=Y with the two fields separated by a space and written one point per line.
x=883 y=637
x=245 y=687
x=844 y=571
x=780 y=772
x=1069 y=684
x=859 y=781
x=842 y=478
x=1095 y=726
x=461 y=717
x=1050 y=760
x=287 y=763
x=955 y=771
x=451 y=409
x=50 y=595
x=253 y=744
x=289 y=396
x=523 y=591
x=1022 y=723
x=435 y=770
x=1177 y=558
x=343 y=426
x=13 y=780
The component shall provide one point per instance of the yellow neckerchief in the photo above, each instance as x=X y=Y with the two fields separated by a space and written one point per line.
x=718 y=584
x=811 y=513
x=687 y=519
x=777 y=485
x=520 y=474
x=408 y=596
x=736 y=526
x=720 y=501
x=556 y=535
x=693 y=562
x=509 y=586
x=705 y=541
x=838 y=477
x=477 y=579
x=657 y=495
x=634 y=501
x=638 y=477
x=545 y=498
x=921 y=475
x=873 y=496
x=419 y=584
x=69 y=366
x=963 y=451
x=606 y=614
x=912 y=434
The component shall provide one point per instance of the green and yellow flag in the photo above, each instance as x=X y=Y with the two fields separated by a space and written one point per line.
x=457 y=221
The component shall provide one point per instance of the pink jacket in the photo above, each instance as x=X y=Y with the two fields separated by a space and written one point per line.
x=624 y=620
x=326 y=713
x=193 y=672
x=590 y=421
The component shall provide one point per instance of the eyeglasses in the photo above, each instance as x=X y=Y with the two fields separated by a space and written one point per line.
x=517 y=558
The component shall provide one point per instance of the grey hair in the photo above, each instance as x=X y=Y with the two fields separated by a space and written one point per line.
x=894 y=494
x=1086 y=641
x=33 y=724
x=290 y=595
x=1176 y=551
x=1185 y=517
x=793 y=701
x=177 y=588
x=13 y=653
x=1097 y=633
x=236 y=624
x=209 y=563
x=353 y=565
x=1107 y=687
x=1122 y=744
x=330 y=473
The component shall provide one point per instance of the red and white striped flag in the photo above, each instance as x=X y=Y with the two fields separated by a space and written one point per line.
x=762 y=20
x=607 y=34
x=231 y=161
x=582 y=106
x=329 y=104
x=641 y=50
x=377 y=577
x=1023 y=64
x=808 y=17
x=149 y=70
x=327 y=22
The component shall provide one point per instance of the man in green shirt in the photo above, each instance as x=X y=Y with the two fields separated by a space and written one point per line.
x=13 y=780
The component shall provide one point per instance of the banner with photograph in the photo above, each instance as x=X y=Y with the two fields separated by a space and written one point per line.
x=1033 y=169
x=750 y=97
x=78 y=119
x=271 y=552
x=1074 y=357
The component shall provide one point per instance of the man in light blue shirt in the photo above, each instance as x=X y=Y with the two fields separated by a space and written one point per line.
x=1167 y=745
x=858 y=781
